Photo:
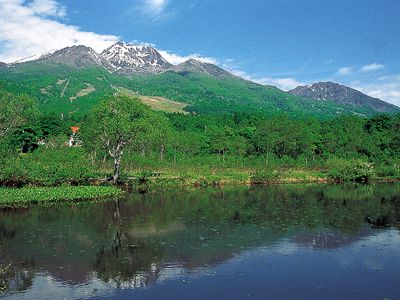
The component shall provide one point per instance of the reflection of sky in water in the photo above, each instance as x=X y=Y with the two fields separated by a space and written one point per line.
x=316 y=246
x=274 y=269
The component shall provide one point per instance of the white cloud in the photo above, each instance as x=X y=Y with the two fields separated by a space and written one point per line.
x=47 y=8
x=345 y=71
x=387 y=89
x=154 y=9
x=31 y=28
x=177 y=59
x=372 y=68
x=155 y=6
x=286 y=84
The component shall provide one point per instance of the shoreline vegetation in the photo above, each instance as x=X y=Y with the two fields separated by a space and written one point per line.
x=123 y=143
x=50 y=195
x=102 y=190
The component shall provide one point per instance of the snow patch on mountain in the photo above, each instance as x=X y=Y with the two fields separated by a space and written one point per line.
x=127 y=58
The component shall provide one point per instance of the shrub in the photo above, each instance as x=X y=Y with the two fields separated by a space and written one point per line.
x=266 y=176
x=341 y=170
x=388 y=169
x=47 y=167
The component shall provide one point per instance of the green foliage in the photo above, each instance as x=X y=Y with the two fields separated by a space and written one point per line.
x=350 y=170
x=15 y=110
x=24 y=196
x=389 y=169
x=266 y=176
x=122 y=121
x=121 y=132
x=47 y=167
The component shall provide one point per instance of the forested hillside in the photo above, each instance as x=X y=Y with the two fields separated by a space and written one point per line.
x=71 y=91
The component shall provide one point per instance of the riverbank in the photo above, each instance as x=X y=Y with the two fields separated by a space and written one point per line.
x=100 y=188
x=224 y=177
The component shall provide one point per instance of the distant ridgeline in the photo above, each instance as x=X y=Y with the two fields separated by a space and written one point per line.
x=71 y=80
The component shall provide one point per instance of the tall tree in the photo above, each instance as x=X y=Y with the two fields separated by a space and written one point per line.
x=15 y=110
x=115 y=123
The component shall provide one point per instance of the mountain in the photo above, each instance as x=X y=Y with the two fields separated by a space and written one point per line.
x=128 y=59
x=3 y=65
x=33 y=57
x=334 y=92
x=71 y=80
x=74 y=56
x=196 y=66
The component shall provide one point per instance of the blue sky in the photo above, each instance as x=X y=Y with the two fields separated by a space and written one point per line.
x=279 y=42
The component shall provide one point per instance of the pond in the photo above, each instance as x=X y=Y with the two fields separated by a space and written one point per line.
x=282 y=242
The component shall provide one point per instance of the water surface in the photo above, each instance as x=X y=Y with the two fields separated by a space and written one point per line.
x=286 y=242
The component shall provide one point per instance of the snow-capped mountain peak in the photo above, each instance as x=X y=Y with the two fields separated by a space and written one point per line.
x=35 y=57
x=128 y=58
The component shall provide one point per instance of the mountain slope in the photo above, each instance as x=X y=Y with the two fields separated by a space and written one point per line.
x=207 y=94
x=128 y=59
x=70 y=81
x=329 y=91
x=64 y=89
x=196 y=66
x=75 y=56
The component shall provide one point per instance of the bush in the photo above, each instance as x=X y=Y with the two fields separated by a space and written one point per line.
x=350 y=170
x=388 y=169
x=47 y=167
x=266 y=176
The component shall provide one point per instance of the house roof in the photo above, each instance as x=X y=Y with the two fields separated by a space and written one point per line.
x=75 y=129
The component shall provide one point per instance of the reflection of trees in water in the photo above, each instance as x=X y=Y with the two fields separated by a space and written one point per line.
x=126 y=260
x=131 y=242
x=15 y=275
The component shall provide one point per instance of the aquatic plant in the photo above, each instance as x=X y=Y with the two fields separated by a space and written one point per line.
x=25 y=196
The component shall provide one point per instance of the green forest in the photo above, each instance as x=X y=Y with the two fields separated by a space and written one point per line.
x=122 y=140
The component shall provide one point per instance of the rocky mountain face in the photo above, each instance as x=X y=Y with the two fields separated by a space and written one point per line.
x=329 y=91
x=196 y=66
x=127 y=59
x=78 y=56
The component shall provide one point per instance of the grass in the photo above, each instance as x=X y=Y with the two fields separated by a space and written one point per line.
x=28 y=196
x=156 y=103
x=224 y=177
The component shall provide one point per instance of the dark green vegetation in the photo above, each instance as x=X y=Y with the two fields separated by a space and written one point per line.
x=236 y=132
x=123 y=134
x=28 y=196
x=129 y=242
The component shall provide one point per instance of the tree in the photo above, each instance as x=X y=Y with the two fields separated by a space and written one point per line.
x=284 y=136
x=116 y=123
x=15 y=110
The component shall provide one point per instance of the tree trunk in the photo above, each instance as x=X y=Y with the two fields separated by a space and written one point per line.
x=162 y=150
x=117 y=169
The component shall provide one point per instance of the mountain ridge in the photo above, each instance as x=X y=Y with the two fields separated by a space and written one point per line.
x=128 y=59
x=341 y=94
x=144 y=69
x=197 y=66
